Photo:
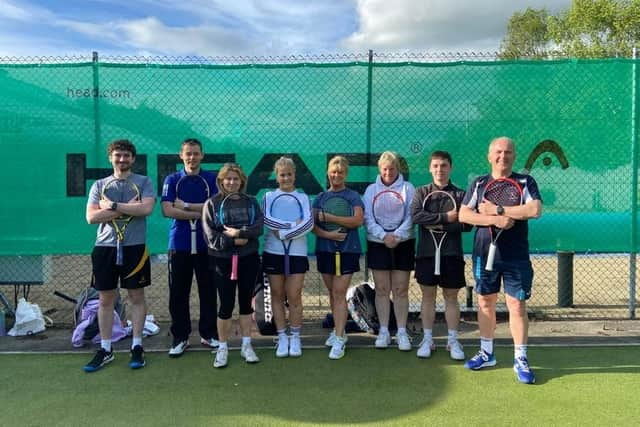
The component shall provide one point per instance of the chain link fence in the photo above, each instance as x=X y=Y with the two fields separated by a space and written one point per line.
x=574 y=123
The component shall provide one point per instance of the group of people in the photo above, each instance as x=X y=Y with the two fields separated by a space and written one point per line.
x=223 y=252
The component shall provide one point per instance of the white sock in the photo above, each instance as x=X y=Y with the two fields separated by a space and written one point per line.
x=452 y=336
x=246 y=341
x=402 y=331
x=136 y=341
x=428 y=334
x=282 y=332
x=520 y=351
x=106 y=345
x=295 y=331
x=486 y=344
x=384 y=329
x=222 y=345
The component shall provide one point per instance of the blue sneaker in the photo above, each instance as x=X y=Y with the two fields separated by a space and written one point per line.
x=137 y=358
x=481 y=360
x=523 y=371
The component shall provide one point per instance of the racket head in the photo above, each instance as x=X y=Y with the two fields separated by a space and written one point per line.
x=438 y=202
x=286 y=207
x=503 y=192
x=237 y=210
x=192 y=189
x=338 y=206
x=389 y=209
x=120 y=191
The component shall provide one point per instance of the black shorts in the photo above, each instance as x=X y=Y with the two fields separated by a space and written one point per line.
x=451 y=272
x=380 y=257
x=349 y=262
x=135 y=273
x=274 y=264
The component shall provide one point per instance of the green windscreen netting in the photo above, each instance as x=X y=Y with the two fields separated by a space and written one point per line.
x=571 y=120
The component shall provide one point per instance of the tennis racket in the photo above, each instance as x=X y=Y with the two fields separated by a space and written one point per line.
x=502 y=192
x=338 y=206
x=389 y=211
x=120 y=191
x=286 y=207
x=193 y=189
x=237 y=210
x=438 y=202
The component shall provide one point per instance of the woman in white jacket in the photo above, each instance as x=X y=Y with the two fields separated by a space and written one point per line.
x=390 y=246
x=287 y=214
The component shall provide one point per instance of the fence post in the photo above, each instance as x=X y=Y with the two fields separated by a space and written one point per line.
x=634 y=187
x=565 y=279
x=368 y=141
x=95 y=92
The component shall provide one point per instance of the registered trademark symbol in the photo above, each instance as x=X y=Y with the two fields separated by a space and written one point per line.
x=416 y=147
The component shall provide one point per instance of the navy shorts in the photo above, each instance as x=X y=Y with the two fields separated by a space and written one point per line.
x=349 y=262
x=380 y=257
x=517 y=277
x=135 y=273
x=274 y=264
x=451 y=272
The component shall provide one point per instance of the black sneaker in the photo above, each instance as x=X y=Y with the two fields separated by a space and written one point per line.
x=137 y=358
x=101 y=358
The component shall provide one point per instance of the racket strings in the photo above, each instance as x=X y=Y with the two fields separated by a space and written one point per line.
x=388 y=211
x=503 y=193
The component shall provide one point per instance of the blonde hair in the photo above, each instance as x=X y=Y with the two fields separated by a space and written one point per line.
x=389 y=157
x=340 y=161
x=224 y=171
x=284 y=162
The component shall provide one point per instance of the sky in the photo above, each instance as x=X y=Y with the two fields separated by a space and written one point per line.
x=221 y=28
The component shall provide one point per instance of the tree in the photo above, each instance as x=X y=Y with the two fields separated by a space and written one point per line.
x=527 y=35
x=588 y=29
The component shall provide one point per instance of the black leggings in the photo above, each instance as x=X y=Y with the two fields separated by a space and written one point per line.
x=248 y=271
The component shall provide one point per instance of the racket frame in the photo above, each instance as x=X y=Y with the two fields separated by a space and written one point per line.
x=234 y=255
x=193 y=222
x=121 y=222
x=491 y=253
x=438 y=236
x=286 y=244
x=336 y=244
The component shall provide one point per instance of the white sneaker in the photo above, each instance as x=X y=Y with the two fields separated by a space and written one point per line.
x=331 y=339
x=455 y=350
x=383 y=340
x=295 y=346
x=248 y=354
x=337 y=349
x=403 y=341
x=220 y=361
x=178 y=349
x=282 y=349
x=425 y=349
x=211 y=342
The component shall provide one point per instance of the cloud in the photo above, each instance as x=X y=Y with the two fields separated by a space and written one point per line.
x=436 y=25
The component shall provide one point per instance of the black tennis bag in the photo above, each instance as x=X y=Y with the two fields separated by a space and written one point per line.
x=262 y=309
x=361 y=303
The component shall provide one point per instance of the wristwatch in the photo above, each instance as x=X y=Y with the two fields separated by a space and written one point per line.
x=114 y=206
x=499 y=210
x=186 y=207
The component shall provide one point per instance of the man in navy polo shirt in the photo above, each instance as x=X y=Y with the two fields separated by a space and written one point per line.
x=182 y=261
x=512 y=266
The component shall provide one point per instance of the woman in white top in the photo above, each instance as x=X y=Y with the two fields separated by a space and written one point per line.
x=390 y=246
x=287 y=214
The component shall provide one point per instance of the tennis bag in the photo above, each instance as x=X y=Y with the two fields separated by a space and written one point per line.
x=262 y=309
x=84 y=313
x=361 y=303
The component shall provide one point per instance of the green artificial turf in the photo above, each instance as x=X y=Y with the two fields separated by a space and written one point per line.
x=576 y=386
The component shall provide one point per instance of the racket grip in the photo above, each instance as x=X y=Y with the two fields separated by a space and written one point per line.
x=194 y=249
x=338 y=266
x=119 y=257
x=490 y=256
x=234 y=267
x=287 y=267
x=436 y=269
